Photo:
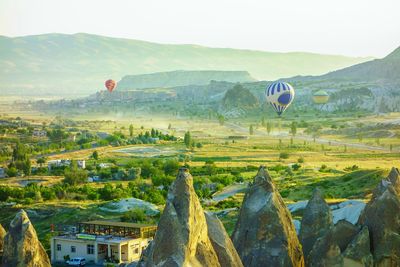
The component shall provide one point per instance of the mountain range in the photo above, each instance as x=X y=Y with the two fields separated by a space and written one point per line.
x=378 y=71
x=78 y=64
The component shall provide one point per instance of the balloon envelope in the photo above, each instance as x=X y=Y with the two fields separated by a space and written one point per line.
x=280 y=95
x=110 y=85
x=321 y=97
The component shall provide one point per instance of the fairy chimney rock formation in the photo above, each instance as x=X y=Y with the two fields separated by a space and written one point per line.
x=184 y=236
x=316 y=221
x=21 y=245
x=264 y=234
x=382 y=217
x=358 y=252
x=327 y=250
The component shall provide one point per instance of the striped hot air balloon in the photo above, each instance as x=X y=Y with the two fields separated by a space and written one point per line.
x=110 y=85
x=280 y=95
x=320 y=97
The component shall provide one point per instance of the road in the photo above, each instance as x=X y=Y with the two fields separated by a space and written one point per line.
x=245 y=131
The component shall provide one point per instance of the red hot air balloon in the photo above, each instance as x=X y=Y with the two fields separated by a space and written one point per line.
x=110 y=85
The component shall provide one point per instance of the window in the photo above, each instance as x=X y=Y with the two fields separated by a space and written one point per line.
x=58 y=247
x=73 y=249
x=90 y=249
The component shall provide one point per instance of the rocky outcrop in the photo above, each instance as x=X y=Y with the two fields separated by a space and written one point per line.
x=327 y=250
x=2 y=235
x=382 y=217
x=264 y=234
x=316 y=221
x=393 y=179
x=185 y=235
x=358 y=254
x=21 y=245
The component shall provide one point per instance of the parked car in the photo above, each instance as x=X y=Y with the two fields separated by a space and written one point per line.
x=76 y=262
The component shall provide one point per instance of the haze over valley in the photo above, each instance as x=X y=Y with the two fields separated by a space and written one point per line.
x=121 y=152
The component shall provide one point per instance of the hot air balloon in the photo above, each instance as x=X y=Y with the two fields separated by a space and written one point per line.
x=110 y=85
x=280 y=95
x=320 y=97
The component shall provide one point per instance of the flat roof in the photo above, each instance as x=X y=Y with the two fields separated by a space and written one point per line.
x=119 y=224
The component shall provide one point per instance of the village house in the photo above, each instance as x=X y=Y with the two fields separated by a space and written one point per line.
x=103 y=241
x=39 y=133
x=64 y=163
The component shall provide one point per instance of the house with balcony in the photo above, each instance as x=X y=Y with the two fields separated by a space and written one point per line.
x=103 y=241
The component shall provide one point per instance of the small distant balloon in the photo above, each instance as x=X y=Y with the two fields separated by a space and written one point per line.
x=320 y=97
x=110 y=85
x=280 y=95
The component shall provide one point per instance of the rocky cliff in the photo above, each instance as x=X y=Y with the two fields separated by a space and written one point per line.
x=264 y=234
x=21 y=245
x=185 y=235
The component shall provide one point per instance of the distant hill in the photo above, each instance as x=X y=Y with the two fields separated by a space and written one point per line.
x=385 y=70
x=239 y=97
x=181 y=78
x=79 y=63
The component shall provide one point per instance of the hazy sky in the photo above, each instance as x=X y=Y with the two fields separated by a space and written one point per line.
x=348 y=27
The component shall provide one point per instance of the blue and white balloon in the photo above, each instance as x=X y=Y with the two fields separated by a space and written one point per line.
x=280 y=95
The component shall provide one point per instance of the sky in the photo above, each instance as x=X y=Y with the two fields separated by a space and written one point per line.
x=345 y=27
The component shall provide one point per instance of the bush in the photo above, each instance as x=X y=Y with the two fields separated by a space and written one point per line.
x=296 y=167
x=351 y=168
x=283 y=155
x=12 y=172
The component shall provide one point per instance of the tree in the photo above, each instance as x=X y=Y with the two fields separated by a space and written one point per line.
x=131 y=130
x=269 y=127
x=187 y=139
x=251 y=130
x=41 y=161
x=293 y=128
x=171 y=167
x=221 y=119
x=135 y=215
x=21 y=158
x=134 y=173
x=95 y=155
x=360 y=137
x=263 y=122
x=210 y=167
x=27 y=167
x=73 y=175
x=169 y=126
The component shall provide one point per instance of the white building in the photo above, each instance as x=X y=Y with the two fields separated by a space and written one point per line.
x=65 y=163
x=81 y=164
x=39 y=133
x=58 y=163
x=101 y=241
